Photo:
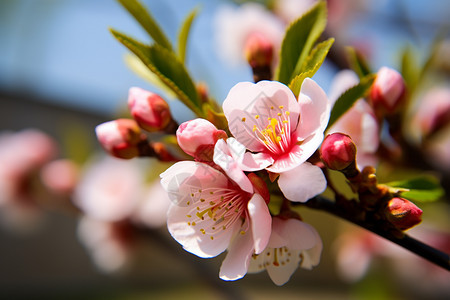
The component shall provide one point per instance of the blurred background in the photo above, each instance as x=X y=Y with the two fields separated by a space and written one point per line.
x=62 y=72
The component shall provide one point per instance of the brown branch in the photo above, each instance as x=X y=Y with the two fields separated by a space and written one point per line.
x=423 y=250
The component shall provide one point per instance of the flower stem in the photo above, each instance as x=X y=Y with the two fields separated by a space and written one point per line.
x=425 y=251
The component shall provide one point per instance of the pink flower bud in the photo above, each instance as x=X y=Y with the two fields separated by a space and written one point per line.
x=387 y=90
x=258 y=50
x=149 y=110
x=403 y=213
x=338 y=151
x=198 y=135
x=120 y=137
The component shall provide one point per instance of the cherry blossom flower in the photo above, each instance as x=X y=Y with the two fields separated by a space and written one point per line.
x=22 y=154
x=109 y=189
x=234 y=25
x=267 y=119
x=292 y=243
x=211 y=213
x=359 y=122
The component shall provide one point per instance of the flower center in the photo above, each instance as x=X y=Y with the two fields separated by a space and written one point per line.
x=275 y=133
x=214 y=210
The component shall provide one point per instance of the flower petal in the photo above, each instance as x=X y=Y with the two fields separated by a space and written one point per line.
x=256 y=161
x=261 y=222
x=302 y=183
x=281 y=272
x=248 y=105
x=235 y=264
x=223 y=157
x=314 y=110
x=191 y=237
x=292 y=233
x=181 y=179
x=311 y=257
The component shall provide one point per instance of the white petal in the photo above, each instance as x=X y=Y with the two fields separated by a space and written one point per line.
x=314 y=110
x=288 y=263
x=235 y=264
x=248 y=105
x=181 y=179
x=302 y=183
x=293 y=233
x=261 y=222
x=224 y=159
x=191 y=237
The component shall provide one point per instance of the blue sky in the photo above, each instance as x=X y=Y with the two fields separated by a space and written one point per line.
x=62 y=50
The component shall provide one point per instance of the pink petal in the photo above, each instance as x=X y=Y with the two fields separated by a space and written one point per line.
x=297 y=155
x=292 y=233
x=191 y=237
x=302 y=183
x=180 y=179
x=314 y=110
x=235 y=264
x=224 y=159
x=247 y=100
x=280 y=274
x=256 y=161
x=311 y=257
x=261 y=222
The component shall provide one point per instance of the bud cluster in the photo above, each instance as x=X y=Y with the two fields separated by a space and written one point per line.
x=125 y=138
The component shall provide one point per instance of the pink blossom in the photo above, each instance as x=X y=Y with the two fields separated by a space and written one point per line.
x=149 y=110
x=109 y=189
x=120 y=138
x=234 y=25
x=211 y=213
x=21 y=155
x=197 y=138
x=292 y=243
x=60 y=176
x=359 y=122
x=433 y=111
x=267 y=119
x=388 y=90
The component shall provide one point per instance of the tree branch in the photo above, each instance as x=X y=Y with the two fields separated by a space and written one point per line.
x=423 y=250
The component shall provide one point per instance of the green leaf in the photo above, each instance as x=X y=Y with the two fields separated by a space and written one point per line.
x=357 y=62
x=138 y=67
x=311 y=65
x=143 y=16
x=317 y=56
x=298 y=41
x=167 y=66
x=183 y=35
x=349 y=97
x=423 y=189
x=409 y=68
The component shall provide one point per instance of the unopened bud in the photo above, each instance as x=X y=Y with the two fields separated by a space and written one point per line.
x=338 y=151
x=403 y=213
x=198 y=135
x=258 y=50
x=150 y=111
x=120 y=137
x=388 y=90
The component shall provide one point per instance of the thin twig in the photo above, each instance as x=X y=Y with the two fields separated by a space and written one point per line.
x=423 y=250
